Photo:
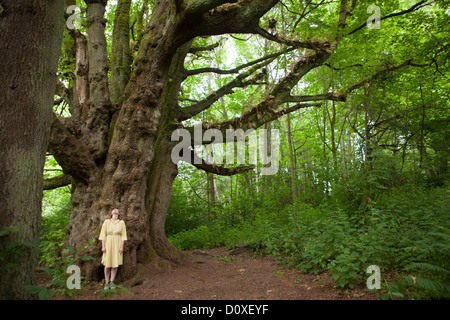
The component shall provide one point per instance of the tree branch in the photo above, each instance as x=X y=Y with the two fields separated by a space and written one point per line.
x=237 y=69
x=195 y=109
x=343 y=68
x=320 y=97
x=207 y=48
x=280 y=39
x=415 y=7
x=202 y=6
x=303 y=66
x=219 y=17
x=377 y=74
x=57 y=182
x=199 y=163
x=70 y=153
x=255 y=118
x=63 y=93
x=267 y=110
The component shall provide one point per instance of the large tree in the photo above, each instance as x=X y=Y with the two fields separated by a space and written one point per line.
x=116 y=145
x=30 y=43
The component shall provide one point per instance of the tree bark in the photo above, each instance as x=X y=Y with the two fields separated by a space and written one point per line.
x=137 y=173
x=30 y=43
x=292 y=167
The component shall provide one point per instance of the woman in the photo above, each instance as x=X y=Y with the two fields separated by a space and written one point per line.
x=112 y=235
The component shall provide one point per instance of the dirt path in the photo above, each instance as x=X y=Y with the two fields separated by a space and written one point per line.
x=217 y=274
x=221 y=274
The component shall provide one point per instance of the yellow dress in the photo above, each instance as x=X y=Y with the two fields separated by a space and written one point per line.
x=113 y=233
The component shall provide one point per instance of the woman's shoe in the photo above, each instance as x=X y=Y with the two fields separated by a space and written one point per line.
x=106 y=287
x=112 y=285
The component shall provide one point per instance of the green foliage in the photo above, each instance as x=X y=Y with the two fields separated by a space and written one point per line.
x=117 y=290
x=53 y=234
x=41 y=292
x=57 y=269
x=396 y=232
x=430 y=282
x=11 y=249
x=182 y=217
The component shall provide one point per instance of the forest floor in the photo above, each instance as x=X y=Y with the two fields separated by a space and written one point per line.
x=221 y=274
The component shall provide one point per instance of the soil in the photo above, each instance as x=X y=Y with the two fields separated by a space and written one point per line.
x=221 y=274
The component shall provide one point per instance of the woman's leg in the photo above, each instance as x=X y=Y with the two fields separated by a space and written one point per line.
x=107 y=272
x=113 y=274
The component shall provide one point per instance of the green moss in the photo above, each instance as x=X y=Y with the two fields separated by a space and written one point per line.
x=163 y=16
x=140 y=144
x=111 y=127
x=150 y=254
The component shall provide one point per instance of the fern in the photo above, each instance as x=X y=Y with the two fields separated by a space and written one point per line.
x=428 y=267
x=438 y=286
x=434 y=286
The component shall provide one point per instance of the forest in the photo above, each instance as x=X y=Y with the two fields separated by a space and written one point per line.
x=331 y=139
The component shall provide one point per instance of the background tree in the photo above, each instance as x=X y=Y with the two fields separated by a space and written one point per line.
x=30 y=41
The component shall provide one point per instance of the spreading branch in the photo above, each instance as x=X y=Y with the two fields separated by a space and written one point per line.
x=253 y=119
x=282 y=40
x=57 y=182
x=381 y=72
x=343 y=68
x=206 y=48
x=269 y=108
x=237 y=82
x=200 y=163
x=320 y=97
x=239 y=68
x=413 y=8
x=342 y=96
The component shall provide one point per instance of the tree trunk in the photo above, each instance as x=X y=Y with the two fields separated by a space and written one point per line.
x=138 y=172
x=292 y=167
x=211 y=195
x=30 y=43
x=248 y=180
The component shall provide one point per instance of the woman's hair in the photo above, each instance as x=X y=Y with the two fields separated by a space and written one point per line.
x=118 y=213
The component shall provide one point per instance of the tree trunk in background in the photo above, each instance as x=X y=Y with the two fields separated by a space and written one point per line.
x=367 y=146
x=292 y=166
x=344 y=155
x=30 y=43
x=422 y=128
x=211 y=195
x=248 y=181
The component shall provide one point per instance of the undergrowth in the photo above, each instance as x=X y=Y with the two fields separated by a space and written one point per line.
x=405 y=233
